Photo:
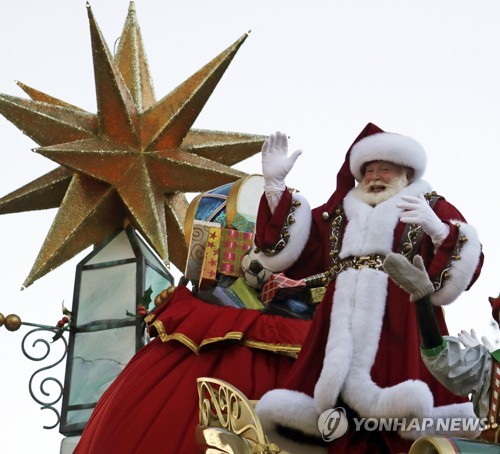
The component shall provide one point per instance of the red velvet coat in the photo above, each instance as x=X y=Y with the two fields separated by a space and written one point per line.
x=398 y=356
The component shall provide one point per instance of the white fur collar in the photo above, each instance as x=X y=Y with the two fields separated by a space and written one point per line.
x=371 y=229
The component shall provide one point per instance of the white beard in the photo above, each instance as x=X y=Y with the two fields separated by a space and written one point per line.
x=362 y=190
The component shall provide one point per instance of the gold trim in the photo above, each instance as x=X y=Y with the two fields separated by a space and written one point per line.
x=285 y=349
x=182 y=338
x=159 y=327
x=232 y=335
x=455 y=255
x=228 y=420
x=412 y=235
x=439 y=445
x=190 y=213
x=232 y=201
x=231 y=206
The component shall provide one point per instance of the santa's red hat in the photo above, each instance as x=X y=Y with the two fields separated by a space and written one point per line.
x=345 y=179
x=374 y=144
x=387 y=146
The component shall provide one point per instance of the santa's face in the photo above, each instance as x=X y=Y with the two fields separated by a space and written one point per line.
x=381 y=180
x=380 y=174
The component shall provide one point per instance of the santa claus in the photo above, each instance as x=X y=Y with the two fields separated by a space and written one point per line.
x=362 y=351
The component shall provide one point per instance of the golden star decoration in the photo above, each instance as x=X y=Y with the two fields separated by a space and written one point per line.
x=130 y=162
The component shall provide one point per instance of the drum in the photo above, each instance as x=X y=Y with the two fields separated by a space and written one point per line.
x=233 y=205
x=449 y=445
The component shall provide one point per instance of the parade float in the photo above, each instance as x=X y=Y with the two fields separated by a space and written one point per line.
x=120 y=189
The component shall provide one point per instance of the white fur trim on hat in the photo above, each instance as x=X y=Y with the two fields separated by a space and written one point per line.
x=391 y=147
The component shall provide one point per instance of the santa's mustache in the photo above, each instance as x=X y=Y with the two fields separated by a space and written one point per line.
x=396 y=182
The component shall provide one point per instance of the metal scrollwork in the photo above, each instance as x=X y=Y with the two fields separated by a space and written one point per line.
x=445 y=273
x=224 y=406
x=47 y=402
x=337 y=225
x=411 y=240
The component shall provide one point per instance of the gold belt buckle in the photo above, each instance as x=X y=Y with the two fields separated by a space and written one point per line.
x=363 y=262
x=374 y=261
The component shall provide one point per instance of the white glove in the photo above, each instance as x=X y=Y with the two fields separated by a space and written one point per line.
x=418 y=211
x=471 y=340
x=276 y=164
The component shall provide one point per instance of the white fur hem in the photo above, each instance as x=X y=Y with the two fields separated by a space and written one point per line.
x=288 y=408
x=299 y=234
x=461 y=270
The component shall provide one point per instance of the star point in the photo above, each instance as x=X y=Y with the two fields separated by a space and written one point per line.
x=130 y=162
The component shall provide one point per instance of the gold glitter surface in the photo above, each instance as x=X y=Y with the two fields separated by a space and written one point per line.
x=130 y=162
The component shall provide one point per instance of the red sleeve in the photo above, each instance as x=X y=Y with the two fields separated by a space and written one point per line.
x=269 y=225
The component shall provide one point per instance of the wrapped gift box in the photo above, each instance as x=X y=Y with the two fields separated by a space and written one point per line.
x=222 y=296
x=291 y=307
x=317 y=294
x=197 y=245
x=246 y=294
x=244 y=222
x=229 y=297
x=208 y=276
x=233 y=246
x=279 y=285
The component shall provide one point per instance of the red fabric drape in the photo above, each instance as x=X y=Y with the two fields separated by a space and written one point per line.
x=152 y=406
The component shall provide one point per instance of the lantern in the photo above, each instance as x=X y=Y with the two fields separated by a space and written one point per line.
x=106 y=332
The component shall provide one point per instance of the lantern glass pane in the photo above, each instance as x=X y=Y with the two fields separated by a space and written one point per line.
x=98 y=358
x=78 y=417
x=107 y=293
x=118 y=248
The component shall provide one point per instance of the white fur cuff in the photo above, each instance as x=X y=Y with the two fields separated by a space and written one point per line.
x=299 y=233
x=461 y=270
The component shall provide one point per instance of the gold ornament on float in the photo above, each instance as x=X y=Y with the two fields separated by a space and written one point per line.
x=132 y=161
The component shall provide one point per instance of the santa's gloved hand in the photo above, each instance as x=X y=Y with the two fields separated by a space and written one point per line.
x=276 y=164
x=411 y=277
x=418 y=211
x=470 y=340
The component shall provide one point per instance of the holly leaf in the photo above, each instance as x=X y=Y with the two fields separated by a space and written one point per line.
x=146 y=297
x=65 y=310
x=58 y=334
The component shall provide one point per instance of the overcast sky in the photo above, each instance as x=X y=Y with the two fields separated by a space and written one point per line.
x=318 y=70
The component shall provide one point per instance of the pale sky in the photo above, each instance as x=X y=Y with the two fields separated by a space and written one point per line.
x=318 y=70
